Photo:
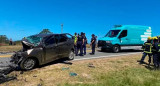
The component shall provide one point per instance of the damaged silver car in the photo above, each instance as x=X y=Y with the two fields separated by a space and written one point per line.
x=44 y=48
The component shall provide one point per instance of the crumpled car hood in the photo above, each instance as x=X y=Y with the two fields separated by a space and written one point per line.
x=25 y=42
x=27 y=45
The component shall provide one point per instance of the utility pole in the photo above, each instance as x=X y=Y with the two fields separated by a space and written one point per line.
x=61 y=28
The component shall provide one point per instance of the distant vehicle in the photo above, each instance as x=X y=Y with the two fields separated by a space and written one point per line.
x=124 y=37
x=44 y=48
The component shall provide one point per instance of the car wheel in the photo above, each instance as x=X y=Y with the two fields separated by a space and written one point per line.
x=116 y=49
x=71 y=55
x=28 y=64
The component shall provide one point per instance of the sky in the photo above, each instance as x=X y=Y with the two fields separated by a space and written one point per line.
x=22 y=18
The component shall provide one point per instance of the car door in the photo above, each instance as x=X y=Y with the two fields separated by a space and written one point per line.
x=64 y=45
x=124 y=38
x=50 y=49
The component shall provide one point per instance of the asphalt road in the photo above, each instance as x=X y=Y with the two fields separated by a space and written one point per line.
x=4 y=61
x=99 y=54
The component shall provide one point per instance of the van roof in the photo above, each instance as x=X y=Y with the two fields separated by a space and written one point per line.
x=121 y=27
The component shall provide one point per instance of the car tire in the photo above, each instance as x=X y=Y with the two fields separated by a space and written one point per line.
x=28 y=64
x=71 y=55
x=116 y=49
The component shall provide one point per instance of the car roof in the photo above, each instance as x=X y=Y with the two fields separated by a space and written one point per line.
x=45 y=35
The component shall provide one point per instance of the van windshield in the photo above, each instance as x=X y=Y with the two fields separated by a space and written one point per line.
x=112 y=33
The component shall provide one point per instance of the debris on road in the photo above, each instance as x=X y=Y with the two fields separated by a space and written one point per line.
x=39 y=85
x=34 y=76
x=6 y=79
x=91 y=65
x=65 y=68
x=7 y=68
x=72 y=74
x=21 y=72
x=4 y=72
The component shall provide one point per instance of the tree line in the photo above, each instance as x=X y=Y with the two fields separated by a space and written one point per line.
x=4 y=39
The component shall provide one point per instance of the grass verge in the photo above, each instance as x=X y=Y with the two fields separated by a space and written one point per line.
x=121 y=71
x=10 y=48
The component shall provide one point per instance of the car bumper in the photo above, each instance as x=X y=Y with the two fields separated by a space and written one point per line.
x=104 y=45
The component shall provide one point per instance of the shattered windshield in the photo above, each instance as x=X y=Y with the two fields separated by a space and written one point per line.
x=34 y=40
x=112 y=33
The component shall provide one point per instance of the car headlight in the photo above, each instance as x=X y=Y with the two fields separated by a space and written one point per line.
x=108 y=41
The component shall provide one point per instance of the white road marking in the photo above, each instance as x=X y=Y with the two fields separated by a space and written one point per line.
x=105 y=56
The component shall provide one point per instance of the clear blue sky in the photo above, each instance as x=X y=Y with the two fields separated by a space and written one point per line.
x=21 y=18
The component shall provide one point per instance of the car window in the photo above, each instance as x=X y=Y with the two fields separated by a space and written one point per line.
x=69 y=36
x=49 y=40
x=56 y=38
x=63 y=38
x=123 y=34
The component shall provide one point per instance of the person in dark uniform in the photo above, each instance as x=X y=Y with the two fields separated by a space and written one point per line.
x=147 y=47
x=155 y=50
x=80 y=42
x=159 y=50
x=10 y=42
x=75 y=44
x=93 y=44
x=85 y=42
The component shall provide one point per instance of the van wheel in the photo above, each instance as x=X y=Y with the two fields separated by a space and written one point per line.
x=116 y=49
x=28 y=64
x=71 y=55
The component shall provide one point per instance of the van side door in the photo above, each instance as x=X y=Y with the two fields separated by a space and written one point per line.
x=123 y=37
x=50 y=49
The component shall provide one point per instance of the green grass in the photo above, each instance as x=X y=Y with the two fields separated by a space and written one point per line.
x=127 y=77
x=119 y=71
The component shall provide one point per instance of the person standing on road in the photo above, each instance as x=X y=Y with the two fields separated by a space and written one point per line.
x=85 y=42
x=75 y=44
x=96 y=41
x=80 y=42
x=147 y=47
x=10 y=41
x=159 y=50
x=93 y=44
x=155 y=53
